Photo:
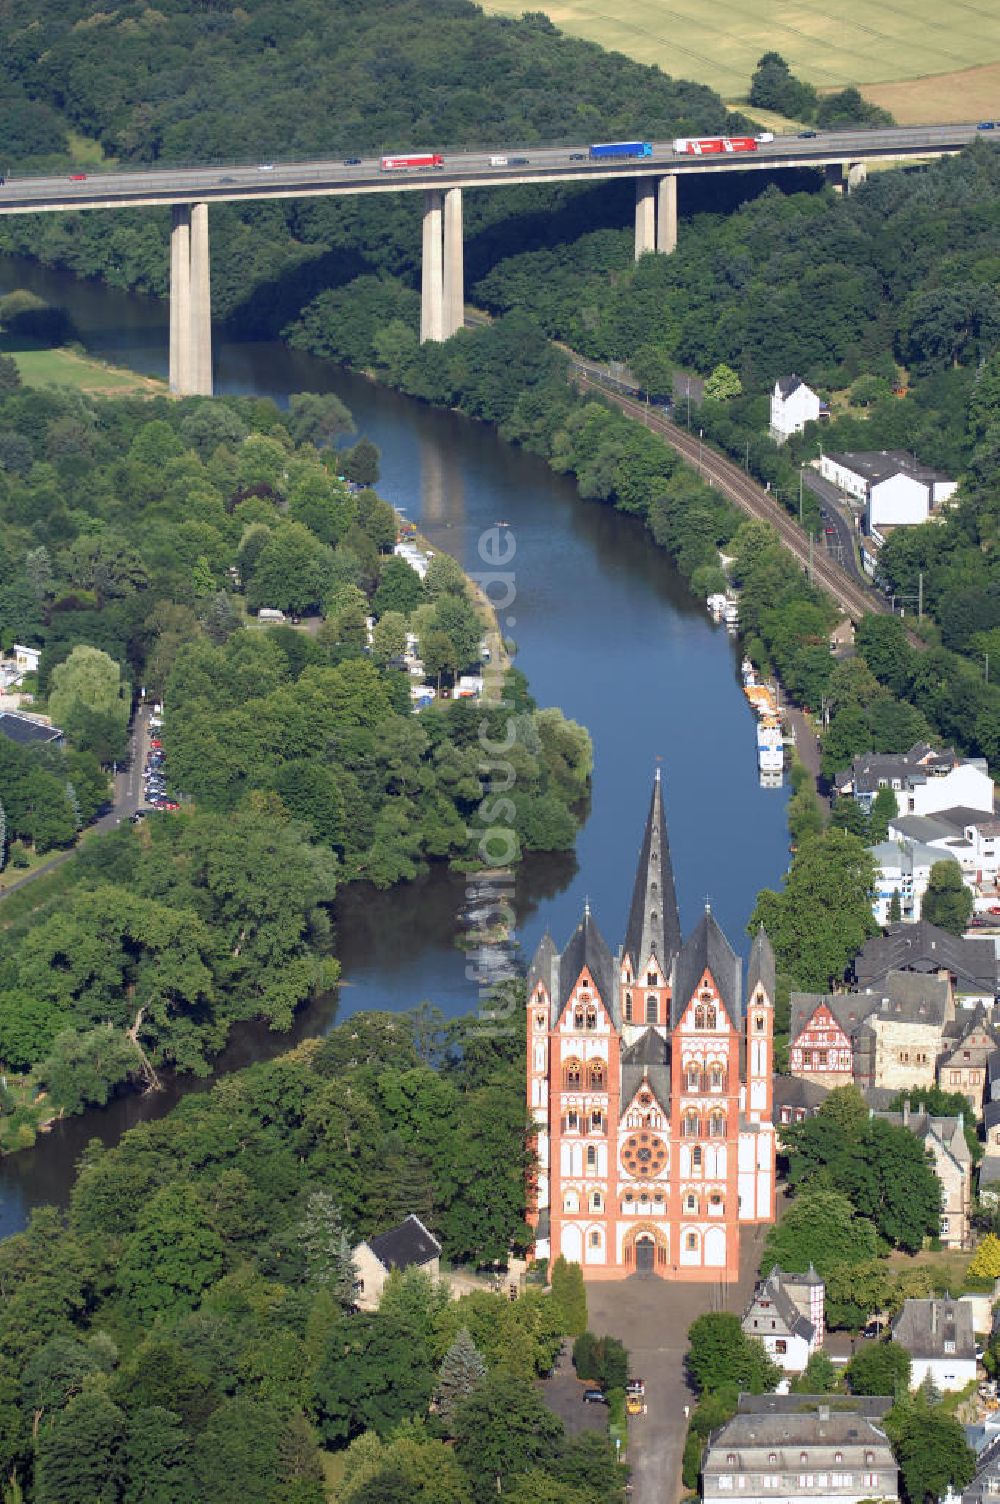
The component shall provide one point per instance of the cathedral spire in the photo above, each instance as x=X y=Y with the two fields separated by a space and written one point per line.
x=653 y=922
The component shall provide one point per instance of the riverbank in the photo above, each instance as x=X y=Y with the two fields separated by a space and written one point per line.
x=40 y=365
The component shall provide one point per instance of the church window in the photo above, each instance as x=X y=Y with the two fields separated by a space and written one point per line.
x=693 y=1078
x=772 y=1458
x=572 y=1074
x=715 y=1199
x=591 y=1018
x=596 y=1202
x=692 y=1203
x=717 y=1125
x=578 y=1018
x=658 y=1197
x=645 y=1099
x=838 y=1456
x=690 y=1125
x=710 y=1017
x=699 y=1017
x=596 y=1120
x=595 y=1075
x=572 y=1122
x=803 y=1456
x=696 y=1157
x=628 y=1007
x=759 y=1023
x=629 y=1197
x=654 y=917
x=643 y=1197
x=716 y=1078
x=651 y=1008
x=691 y=1241
x=539 y=1020
x=595 y=1238
x=651 y=979
x=591 y=1157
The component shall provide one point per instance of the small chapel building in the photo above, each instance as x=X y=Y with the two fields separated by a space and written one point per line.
x=649 y=1080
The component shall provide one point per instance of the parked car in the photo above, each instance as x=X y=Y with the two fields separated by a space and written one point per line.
x=634 y=1404
x=636 y=1386
x=594 y=1397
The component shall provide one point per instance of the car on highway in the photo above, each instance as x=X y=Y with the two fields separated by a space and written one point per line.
x=519 y=161
x=227 y=179
x=578 y=156
x=78 y=177
x=806 y=135
x=986 y=125
x=352 y=161
x=265 y=166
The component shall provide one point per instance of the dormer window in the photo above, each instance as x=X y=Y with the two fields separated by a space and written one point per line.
x=803 y=1456
x=838 y=1456
x=772 y=1457
x=591 y=1018
x=652 y=979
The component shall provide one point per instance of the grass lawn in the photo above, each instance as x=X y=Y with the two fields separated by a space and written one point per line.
x=924 y=45
x=40 y=366
x=12 y=875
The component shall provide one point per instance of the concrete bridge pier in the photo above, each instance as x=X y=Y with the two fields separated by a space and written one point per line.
x=666 y=215
x=645 y=216
x=190 y=303
x=454 y=264
x=431 y=271
x=442 y=271
x=857 y=173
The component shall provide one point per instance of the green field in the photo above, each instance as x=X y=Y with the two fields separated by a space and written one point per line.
x=829 y=44
x=40 y=366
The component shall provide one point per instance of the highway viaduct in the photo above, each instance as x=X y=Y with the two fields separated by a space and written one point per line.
x=188 y=191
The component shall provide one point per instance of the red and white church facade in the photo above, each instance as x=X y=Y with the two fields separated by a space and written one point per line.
x=650 y=1086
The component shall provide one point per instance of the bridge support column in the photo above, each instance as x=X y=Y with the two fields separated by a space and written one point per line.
x=190 y=304
x=180 y=300
x=201 y=304
x=431 y=280
x=857 y=173
x=645 y=216
x=454 y=268
x=833 y=172
x=666 y=214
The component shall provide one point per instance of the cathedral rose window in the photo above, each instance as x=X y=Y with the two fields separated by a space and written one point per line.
x=644 y=1154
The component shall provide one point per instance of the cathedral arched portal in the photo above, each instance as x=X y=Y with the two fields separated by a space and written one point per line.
x=645 y=1249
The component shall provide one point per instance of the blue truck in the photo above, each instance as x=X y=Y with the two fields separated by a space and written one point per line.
x=620 y=149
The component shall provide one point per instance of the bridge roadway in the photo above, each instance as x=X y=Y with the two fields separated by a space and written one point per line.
x=145 y=187
x=854 y=597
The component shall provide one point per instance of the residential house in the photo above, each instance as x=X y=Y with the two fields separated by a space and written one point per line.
x=796 y=1099
x=793 y=405
x=969 y=835
x=945 y=1138
x=939 y=1338
x=895 y=489
x=898 y=1043
x=924 y=949
x=989 y=1177
x=902 y=874
x=821 y=1036
x=408 y=1246
x=786 y=1313
x=969 y=1041
x=799 y=1448
x=26 y=660
x=985 y=1486
x=924 y=780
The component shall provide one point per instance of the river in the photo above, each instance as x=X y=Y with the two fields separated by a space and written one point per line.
x=605 y=628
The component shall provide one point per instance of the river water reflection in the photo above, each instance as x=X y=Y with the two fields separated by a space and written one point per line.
x=605 y=628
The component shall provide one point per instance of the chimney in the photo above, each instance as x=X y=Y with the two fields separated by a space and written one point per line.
x=824 y=1412
x=934 y=1315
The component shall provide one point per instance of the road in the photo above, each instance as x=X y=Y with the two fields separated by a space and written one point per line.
x=126 y=799
x=651 y=1317
x=838 y=524
x=459 y=168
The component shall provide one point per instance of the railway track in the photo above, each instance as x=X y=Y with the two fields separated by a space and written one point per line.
x=854 y=599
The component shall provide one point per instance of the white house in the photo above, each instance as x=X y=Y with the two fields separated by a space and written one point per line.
x=925 y=782
x=939 y=1338
x=26 y=659
x=786 y=1313
x=793 y=405
x=903 y=867
x=894 y=487
x=969 y=835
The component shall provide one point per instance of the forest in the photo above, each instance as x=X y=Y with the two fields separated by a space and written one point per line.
x=189 y=1330
x=138 y=537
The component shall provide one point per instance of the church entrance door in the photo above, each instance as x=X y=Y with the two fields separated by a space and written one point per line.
x=645 y=1253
